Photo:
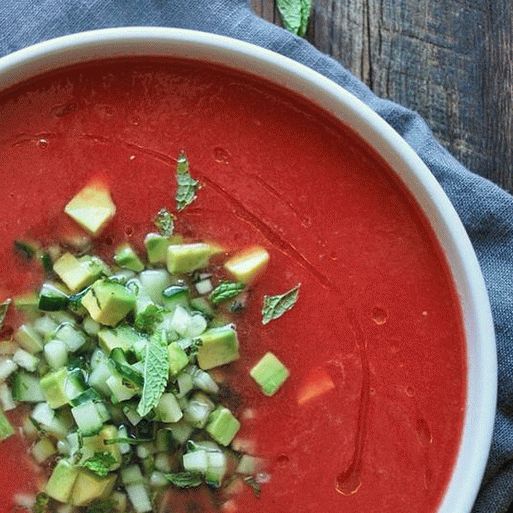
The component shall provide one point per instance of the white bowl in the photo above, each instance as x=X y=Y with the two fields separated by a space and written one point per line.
x=481 y=352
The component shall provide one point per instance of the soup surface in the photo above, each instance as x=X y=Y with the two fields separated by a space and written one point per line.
x=378 y=312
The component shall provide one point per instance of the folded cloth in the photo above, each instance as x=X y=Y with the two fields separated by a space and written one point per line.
x=485 y=209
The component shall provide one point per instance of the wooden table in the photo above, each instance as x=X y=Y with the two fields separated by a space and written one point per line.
x=450 y=60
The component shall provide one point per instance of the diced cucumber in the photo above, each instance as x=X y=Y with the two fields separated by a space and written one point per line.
x=198 y=410
x=120 y=502
x=88 y=395
x=158 y=479
x=126 y=257
x=217 y=467
x=145 y=450
x=222 y=426
x=123 y=433
x=123 y=336
x=92 y=328
x=175 y=295
x=219 y=347
x=119 y=390
x=43 y=414
x=61 y=482
x=168 y=409
x=181 y=431
x=131 y=475
x=43 y=449
x=185 y=384
x=71 y=336
x=6 y=398
x=56 y=353
x=29 y=339
x=52 y=298
x=6 y=430
x=7 y=367
x=249 y=465
x=204 y=287
x=88 y=419
x=60 y=386
x=270 y=374
x=27 y=388
x=154 y=282
x=196 y=461
x=139 y=497
x=203 y=306
x=60 y=425
x=204 y=381
x=25 y=360
x=45 y=326
x=197 y=325
x=131 y=414
x=99 y=376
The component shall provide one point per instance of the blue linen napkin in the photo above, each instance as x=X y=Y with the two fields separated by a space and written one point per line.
x=486 y=210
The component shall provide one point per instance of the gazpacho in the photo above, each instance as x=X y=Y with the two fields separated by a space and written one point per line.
x=264 y=322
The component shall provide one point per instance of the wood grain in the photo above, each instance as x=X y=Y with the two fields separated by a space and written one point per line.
x=450 y=60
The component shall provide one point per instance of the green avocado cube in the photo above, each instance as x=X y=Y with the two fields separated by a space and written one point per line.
x=178 y=359
x=77 y=274
x=222 y=426
x=185 y=258
x=92 y=208
x=123 y=336
x=108 y=302
x=60 y=386
x=126 y=257
x=29 y=339
x=270 y=374
x=61 y=482
x=90 y=487
x=219 y=346
x=156 y=248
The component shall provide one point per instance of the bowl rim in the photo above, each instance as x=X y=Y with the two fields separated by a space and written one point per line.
x=478 y=423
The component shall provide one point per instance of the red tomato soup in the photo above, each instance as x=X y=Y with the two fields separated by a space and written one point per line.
x=370 y=419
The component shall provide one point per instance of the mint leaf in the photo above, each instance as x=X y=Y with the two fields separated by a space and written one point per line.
x=165 y=222
x=226 y=290
x=295 y=15
x=146 y=320
x=185 y=479
x=3 y=311
x=156 y=373
x=42 y=503
x=105 y=506
x=186 y=185
x=276 y=306
x=100 y=463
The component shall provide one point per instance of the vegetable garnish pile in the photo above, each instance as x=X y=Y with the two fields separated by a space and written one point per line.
x=115 y=361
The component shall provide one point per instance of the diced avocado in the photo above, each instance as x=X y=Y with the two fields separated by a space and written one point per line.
x=92 y=208
x=28 y=339
x=123 y=336
x=95 y=444
x=185 y=258
x=60 y=386
x=90 y=487
x=156 y=248
x=61 y=482
x=28 y=301
x=126 y=257
x=219 y=346
x=108 y=302
x=178 y=359
x=6 y=430
x=77 y=274
x=222 y=426
x=270 y=374
x=248 y=264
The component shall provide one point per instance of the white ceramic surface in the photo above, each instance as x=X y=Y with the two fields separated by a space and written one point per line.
x=482 y=362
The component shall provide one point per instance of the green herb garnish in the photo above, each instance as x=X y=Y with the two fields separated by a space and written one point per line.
x=156 y=373
x=165 y=222
x=26 y=249
x=295 y=15
x=276 y=306
x=146 y=320
x=100 y=463
x=185 y=479
x=4 y=307
x=41 y=504
x=226 y=290
x=106 y=506
x=186 y=185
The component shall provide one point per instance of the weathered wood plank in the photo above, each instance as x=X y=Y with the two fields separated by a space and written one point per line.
x=451 y=60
